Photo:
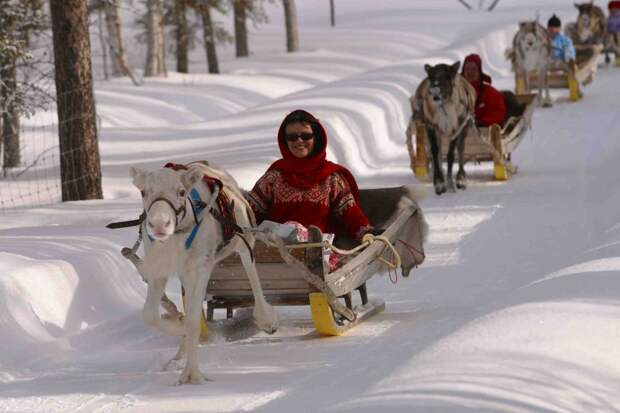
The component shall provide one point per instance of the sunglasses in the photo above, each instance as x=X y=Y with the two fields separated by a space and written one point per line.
x=305 y=136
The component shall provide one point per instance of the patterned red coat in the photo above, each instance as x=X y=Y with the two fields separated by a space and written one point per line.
x=330 y=204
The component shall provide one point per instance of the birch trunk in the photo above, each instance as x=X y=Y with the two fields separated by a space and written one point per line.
x=292 y=30
x=182 y=36
x=208 y=30
x=155 y=53
x=241 y=31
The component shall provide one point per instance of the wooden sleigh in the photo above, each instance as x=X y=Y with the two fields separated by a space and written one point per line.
x=568 y=78
x=494 y=143
x=285 y=274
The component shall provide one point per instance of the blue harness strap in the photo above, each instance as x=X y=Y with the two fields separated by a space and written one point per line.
x=198 y=209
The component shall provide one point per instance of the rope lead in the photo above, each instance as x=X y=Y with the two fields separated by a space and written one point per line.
x=367 y=240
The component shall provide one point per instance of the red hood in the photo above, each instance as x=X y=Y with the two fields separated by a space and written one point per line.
x=474 y=58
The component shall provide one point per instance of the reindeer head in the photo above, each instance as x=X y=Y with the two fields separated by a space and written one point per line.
x=588 y=21
x=530 y=36
x=165 y=198
x=441 y=82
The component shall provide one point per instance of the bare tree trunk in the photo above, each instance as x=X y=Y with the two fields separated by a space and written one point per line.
x=292 y=29
x=208 y=30
x=332 y=13
x=155 y=54
x=114 y=42
x=104 y=49
x=117 y=49
x=182 y=36
x=10 y=115
x=80 y=167
x=241 y=31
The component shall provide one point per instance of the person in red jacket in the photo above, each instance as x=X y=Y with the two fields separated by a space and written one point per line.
x=490 y=106
x=305 y=187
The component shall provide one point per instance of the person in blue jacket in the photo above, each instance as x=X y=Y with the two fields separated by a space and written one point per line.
x=563 y=54
x=562 y=46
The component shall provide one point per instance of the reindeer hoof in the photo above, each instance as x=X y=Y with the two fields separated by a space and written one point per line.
x=173 y=364
x=440 y=188
x=126 y=252
x=461 y=183
x=191 y=376
x=266 y=319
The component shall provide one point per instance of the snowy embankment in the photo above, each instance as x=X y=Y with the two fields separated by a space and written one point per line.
x=515 y=309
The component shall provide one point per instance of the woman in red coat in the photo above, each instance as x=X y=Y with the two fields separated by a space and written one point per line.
x=490 y=106
x=304 y=186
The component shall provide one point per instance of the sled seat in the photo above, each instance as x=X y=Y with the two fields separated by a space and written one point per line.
x=283 y=284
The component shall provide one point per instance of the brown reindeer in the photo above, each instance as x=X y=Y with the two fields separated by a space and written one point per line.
x=590 y=29
x=445 y=103
x=591 y=26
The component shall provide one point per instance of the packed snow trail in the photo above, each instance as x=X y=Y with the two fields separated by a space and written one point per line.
x=515 y=309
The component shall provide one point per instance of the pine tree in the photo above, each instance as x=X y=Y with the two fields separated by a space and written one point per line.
x=292 y=30
x=19 y=21
x=240 y=8
x=80 y=167
x=209 y=35
x=244 y=10
x=182 y=34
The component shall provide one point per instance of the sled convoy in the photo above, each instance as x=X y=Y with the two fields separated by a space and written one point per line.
x=222 y=257
x=442 y=124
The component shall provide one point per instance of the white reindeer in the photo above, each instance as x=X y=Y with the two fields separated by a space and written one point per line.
x=531 y=52
x=185 y=238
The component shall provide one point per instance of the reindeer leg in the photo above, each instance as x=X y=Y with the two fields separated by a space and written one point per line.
x=195 y=281
x=544 y=82
x=461 y=178
x=150 y=312
x=438 y=181
x=526 y=82
x=172 y=312
x=607 y=58
x=607 y=47
x=173 y=363
x=265 y=316
x=451 y=147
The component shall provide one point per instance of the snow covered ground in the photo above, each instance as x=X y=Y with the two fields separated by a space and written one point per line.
x=515 y=310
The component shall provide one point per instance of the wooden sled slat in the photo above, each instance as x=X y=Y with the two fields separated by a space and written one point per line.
x=357 y=271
